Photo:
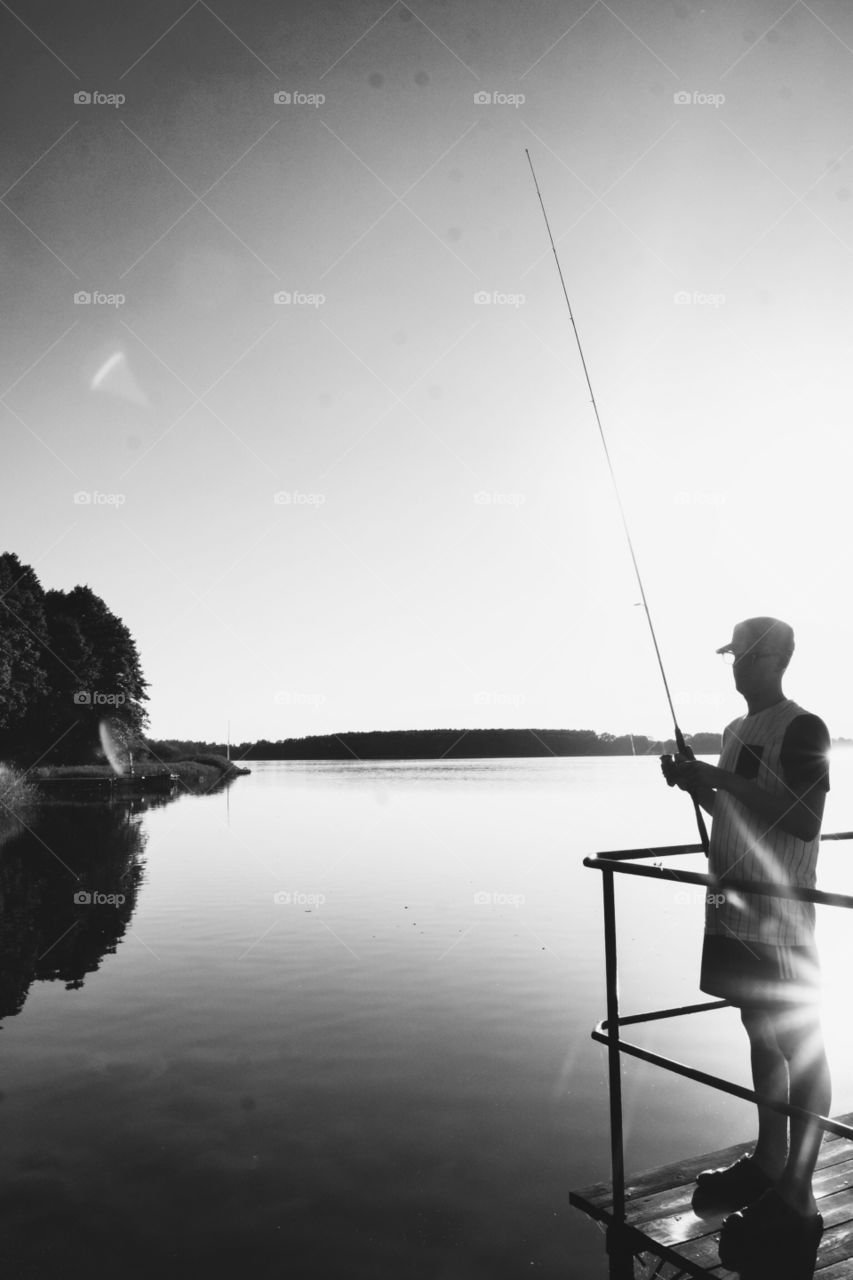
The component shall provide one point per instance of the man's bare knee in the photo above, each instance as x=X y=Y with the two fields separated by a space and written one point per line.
x=798 y=1033
x=759 y=1025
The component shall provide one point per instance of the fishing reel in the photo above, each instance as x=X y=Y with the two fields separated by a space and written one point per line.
x=668 y=764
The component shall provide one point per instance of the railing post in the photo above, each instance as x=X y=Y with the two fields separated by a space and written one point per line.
x=621 y=1261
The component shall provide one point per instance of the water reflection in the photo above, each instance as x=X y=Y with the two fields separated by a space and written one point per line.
x=69 y=878
x=398 y=1082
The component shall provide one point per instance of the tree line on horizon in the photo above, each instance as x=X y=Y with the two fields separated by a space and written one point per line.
x=67 y=663
x=447 y=744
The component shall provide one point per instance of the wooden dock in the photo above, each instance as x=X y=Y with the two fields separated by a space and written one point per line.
x=670 y=1241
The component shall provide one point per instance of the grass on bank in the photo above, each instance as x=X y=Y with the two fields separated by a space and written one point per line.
x=193 y=771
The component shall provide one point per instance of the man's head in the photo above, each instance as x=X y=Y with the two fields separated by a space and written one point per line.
x=761 y=649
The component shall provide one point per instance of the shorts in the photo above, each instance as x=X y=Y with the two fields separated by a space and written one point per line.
x=755 y=973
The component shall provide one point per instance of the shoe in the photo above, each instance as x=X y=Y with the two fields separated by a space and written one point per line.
x=769 y=1236
x=732 y=1188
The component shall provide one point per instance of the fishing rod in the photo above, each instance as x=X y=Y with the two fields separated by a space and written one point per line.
x=683 y=748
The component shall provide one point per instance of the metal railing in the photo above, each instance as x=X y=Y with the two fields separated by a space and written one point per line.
x=621 y=1244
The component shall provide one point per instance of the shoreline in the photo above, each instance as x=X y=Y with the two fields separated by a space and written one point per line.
x=188 y=774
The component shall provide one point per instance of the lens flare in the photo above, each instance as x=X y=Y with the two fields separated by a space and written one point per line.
x=115 y=377
x=113 y=748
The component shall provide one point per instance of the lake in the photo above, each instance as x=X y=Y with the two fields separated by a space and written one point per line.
x=334 y=1021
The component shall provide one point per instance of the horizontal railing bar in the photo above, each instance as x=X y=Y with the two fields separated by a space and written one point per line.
x=764 y=888
x=657 y=851
x=670 y=1013
x=725 y=1086
x=671 y=850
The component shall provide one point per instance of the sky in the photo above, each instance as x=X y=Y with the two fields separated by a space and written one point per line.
x=287 y=376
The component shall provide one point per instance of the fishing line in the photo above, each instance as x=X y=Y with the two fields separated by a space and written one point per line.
x=679 y=736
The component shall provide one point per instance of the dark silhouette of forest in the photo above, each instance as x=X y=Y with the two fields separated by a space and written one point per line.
x=449 y=744
x=66 y=664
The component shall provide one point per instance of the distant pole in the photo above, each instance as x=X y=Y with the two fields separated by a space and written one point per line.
x=228 y=748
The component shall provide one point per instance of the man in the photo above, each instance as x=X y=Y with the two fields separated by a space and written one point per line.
x=766 y=797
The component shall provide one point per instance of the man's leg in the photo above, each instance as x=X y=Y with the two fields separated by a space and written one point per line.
x=770 y=1077
x=781 y=1230
x=800 y=1038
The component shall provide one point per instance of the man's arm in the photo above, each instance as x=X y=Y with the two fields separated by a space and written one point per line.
x=799 y=811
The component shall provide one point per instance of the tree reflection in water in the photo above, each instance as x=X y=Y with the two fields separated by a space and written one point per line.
x=69 y=878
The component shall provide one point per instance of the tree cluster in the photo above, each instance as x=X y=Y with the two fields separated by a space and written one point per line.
x=459 y=744
x=67 y=665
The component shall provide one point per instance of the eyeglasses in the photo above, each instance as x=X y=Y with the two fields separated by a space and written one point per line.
x=731 y=658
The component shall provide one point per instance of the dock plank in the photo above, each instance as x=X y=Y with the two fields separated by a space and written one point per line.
x=659 y=1211
x=831 y=1156
x=680 y=1223
x=679 y=1172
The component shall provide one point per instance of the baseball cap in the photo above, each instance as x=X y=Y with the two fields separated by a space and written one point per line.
x=769 y=634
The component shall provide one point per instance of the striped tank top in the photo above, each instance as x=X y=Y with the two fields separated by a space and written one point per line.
x=745 y=846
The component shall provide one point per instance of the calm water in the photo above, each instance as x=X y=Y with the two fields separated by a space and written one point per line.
x=387 y=1071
